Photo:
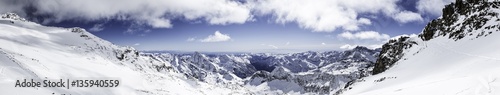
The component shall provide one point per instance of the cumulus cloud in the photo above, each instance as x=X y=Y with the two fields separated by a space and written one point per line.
x=407 y=16
x=97 y=27
x=371 y=39
x=371 y=45
x=328 y=15
x=364 y=35
x=317 y=15
x=433 y=7
x=155 y=13
x=404 y=35
x=217 y=37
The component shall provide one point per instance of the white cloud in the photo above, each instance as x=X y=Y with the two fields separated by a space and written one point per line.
x=407 y=16
x=327 y=15
x=134 y=28
x=15 y=6
x=191 y=39
x=136 y=44
x=323 y=43
x=364 y=35
x=433 y=7
x=154 y=13
x=317 y=15
x=370 y=39
x=405 y=35
x=273 y=46
x=97 y=27
x=365 y=21
x=374 y=46
x=217 y=37
x=287 y=43
x=348 y=46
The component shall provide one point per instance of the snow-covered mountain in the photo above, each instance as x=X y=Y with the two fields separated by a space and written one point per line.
x=301 y=62
x=307 y=72
x=31 y=51
x=455 y=54
x=216 y=69
x=314 y=72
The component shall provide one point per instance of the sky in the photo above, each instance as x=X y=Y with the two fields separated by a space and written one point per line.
x=236 y=25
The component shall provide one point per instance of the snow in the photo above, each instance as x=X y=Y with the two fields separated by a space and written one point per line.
x=284 y=86
x=32 y=51
x=440 y=66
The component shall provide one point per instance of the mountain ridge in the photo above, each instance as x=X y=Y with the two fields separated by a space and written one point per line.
x=452 y=55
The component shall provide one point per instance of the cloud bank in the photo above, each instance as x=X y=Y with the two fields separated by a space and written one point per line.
x=155 y=13
x=317 y=15
x=364 y=35
x=329 y=15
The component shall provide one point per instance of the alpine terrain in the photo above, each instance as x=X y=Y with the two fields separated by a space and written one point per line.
x=32 y=51
x=456 y=54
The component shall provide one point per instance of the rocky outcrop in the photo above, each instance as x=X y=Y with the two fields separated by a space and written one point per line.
x=391 y=53
x=459 y=19
x=464 y=18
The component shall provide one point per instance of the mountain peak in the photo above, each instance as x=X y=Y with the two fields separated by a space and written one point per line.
x=360 y=48
x=12 y=16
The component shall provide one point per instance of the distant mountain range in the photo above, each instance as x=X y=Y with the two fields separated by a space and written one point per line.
x=455 y=54
x=258 y=69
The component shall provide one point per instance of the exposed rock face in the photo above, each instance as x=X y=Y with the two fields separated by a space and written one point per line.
x=391 y=53
x=12 y=16
x=459 y=19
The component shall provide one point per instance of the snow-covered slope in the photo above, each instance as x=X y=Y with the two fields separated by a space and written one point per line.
x=324 y=72
x=219 y=69
x=457 y=54
x=32 y=51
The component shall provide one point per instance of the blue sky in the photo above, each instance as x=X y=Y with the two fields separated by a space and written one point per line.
x=236 y=26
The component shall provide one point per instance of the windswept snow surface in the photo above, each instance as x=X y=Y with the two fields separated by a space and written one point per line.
x=440 y=66
x=32 y=51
